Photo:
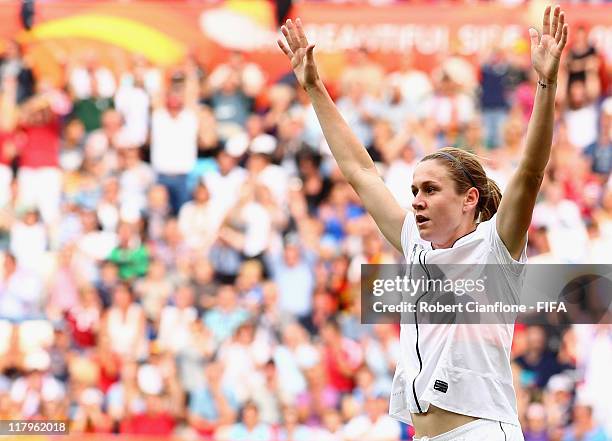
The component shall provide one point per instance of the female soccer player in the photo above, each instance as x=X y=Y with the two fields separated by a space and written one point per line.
x=451 y=382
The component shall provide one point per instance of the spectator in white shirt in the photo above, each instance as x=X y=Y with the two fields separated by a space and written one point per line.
x=260 y=166
x=567 y=232
x=20 y=291
x=582 y=114
x=415 y=85
x=99 y=147
x=375 y=424
x=38 y=386
x=92 y=246
x=29 y=240
x=132 y=102
x=248 y=225
x=398 y=176
x=450 y=107
x=136 y=176
x=177 y=321
x=199 y=220
x=224 y=184
x=174 y=138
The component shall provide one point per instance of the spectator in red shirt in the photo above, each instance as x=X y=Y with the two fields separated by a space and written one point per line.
x=156 y=420
x=109 y=363
x=341 y=357
x=40 y=178
x=84 y=318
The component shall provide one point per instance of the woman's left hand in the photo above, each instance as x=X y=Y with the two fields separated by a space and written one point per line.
x=546 y=50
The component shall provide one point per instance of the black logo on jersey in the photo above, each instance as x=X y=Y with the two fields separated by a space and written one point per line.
x=441 y=386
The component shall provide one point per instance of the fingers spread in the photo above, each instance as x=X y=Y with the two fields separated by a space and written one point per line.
x=285 y=32
x=290 y=35
x=301 y=35
x=561 y=44
x=534 y=37
x=555 y=21
x=294 y=44
x=546 y=21
x=559 y=32
x=284 y=48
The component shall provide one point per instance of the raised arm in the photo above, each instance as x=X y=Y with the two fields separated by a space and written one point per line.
x=516 y=207
x=353 y=159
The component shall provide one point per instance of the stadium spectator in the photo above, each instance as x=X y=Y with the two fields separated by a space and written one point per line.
x=130 y=255
x=250 y=428
x=213 y=404
x=340 y=356
x=374 y=423
x=582 y=54
x=292 y=272
x=135 y=176
x=176 y=322
x=226 y=316
x=250 y=75
x=21 y=291
x=13 y=65
x=132 y=101
x=174 y=137
x=84 y=72
x=155 y=420
x=230 y=104
x=39 y=174
x=494 y=95
x=292 y=429
x=89 y=417
x=536 y=429
x=538 y=363
x=199 y=220
x=581 y=115
x=124 y=324
x=584 y=427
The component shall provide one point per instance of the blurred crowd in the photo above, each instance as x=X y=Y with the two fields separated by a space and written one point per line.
x=181 y=255
x=399 y=2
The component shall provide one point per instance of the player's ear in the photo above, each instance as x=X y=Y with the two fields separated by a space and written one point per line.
x=471 y=198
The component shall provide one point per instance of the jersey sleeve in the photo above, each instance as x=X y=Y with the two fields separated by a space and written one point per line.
x=512 y=269
x=502 y=254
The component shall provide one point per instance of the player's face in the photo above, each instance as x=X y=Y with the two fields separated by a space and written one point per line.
x=438 y=209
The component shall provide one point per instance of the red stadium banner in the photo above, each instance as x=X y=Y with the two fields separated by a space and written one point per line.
x=164 y=32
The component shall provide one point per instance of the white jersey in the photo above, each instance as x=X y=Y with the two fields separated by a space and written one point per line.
x=462 y=368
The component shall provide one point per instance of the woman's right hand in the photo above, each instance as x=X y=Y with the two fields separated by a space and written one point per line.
x=299 y=52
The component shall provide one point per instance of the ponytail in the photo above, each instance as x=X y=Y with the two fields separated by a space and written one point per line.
x=489 y=200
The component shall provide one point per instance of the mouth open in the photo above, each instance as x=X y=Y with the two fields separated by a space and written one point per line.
x=421 y=220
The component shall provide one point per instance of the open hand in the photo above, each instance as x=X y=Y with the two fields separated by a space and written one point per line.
x=299 y=53
x=546 y=50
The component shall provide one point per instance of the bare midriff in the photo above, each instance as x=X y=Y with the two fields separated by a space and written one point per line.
x=437 y=421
